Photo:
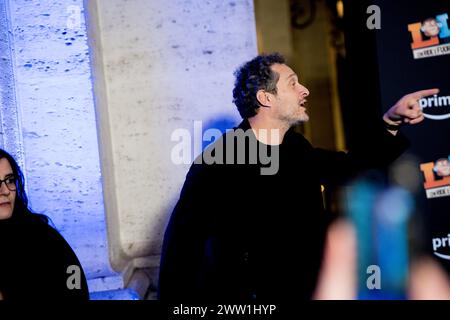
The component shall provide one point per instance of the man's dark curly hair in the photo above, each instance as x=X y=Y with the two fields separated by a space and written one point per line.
x=253 y=76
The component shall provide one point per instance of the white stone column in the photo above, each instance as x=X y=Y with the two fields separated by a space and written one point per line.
x=53 y=102
x=158 y=66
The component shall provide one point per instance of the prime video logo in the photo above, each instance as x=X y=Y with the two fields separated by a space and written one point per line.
x=441 y=243
x=435 y=103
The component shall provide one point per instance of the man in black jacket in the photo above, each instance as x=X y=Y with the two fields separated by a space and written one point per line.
x=250 y=222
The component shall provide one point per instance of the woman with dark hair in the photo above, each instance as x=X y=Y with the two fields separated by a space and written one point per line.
x=35 y=260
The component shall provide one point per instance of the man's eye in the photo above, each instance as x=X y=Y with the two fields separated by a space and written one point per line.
x=10 y=181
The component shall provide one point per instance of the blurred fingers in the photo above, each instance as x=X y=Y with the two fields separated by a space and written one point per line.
x=337 y=280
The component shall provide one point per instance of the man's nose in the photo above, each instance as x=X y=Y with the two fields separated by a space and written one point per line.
x=304 y=91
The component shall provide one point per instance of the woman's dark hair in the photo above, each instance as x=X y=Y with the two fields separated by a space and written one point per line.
x=253 y=76
x=21 y=202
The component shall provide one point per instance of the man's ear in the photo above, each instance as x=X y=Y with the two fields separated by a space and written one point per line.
x=263 y=98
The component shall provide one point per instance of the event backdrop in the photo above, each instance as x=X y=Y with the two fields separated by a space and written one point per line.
x=394 y=48
x=413 y=47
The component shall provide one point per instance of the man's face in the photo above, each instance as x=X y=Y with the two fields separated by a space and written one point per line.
x=290 y=100
x=430 y=28
x=442 y=168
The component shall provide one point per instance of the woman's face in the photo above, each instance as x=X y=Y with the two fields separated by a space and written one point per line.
x=7 y=197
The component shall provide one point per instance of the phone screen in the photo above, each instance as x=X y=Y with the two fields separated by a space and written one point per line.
x=380 y=215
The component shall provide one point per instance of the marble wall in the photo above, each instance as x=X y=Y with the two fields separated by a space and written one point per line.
x=159 y=66
x=97 y=93
x=51 y=95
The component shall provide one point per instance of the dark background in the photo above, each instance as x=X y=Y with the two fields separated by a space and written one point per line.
x=379 y=69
